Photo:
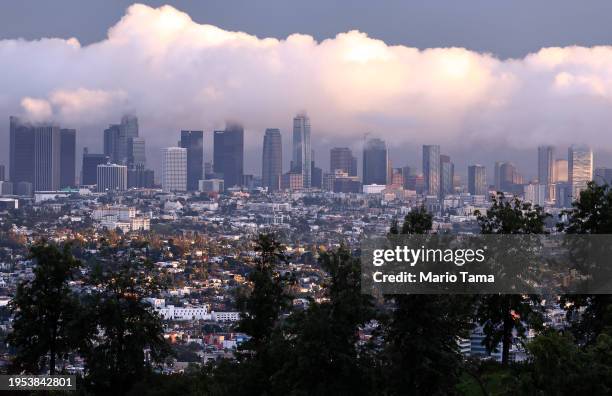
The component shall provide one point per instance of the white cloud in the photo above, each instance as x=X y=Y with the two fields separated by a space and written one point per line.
x=175 y=73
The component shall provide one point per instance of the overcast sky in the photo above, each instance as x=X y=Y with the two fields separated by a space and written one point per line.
x=504 y=28
x=174 y=72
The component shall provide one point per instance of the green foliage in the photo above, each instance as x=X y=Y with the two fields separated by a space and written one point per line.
x=501 y=315
x=44 y=310
x=591 y=214
x=123 y=336
x=324 y=356
x=421 y=353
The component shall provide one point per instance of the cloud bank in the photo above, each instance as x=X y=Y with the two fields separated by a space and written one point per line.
x=175 y=74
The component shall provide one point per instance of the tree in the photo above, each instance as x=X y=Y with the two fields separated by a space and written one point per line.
x=325 y=356
x=421 y=353
x=501 y=315
x=591 y=214
x=43 y=311
x=261 y=307
x=557 y=366
x=122 y=336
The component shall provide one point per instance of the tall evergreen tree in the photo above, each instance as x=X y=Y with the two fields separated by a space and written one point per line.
x=421 y=354
x=44 y=311
x=261 y=308
x=123 y=336
x=325 y=353
x=591 y=214
x=502 y=315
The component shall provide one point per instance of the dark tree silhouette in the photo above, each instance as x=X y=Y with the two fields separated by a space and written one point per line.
x=44 y=311
x=501 y=315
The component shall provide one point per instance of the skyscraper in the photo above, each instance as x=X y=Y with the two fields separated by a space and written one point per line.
x=67 y=158
x=431 y=169
x=447 y=174
x=546 y=169
x=2 y=173
x=560 y=171
x=229 y=154
x=89 y=169
x=136 y=152
x=193 y=141
x=580 y=168
x=117 y=140
x=301 y=159
x=46 y=158
x=603 y=176
x=375 y=162
x=111 y=143
x=477 y=180
x=342 y=158
x=174 y=169
x=272 y=160
x=507 y=178
x=316 y=174
x=21 y=155
x=111 y=177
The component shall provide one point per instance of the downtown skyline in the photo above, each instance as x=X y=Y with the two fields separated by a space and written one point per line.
x=510 y=108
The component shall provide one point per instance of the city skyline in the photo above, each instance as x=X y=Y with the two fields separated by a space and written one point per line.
x=505 y=108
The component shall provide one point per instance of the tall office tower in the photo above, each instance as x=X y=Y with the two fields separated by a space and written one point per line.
x=546 y=169
x=560 y=171
x=603 y=176
x=228 y=156
x=174 y=169
x=507 y=178
x=136 y=152
x=2 y=173
x=301 y=159
x=111 y=143
x=272 y=160
x=67 y=158
x=47 y=158
x=89 y=168
x=128 y=130
x=431 y=169
x=21 y=156
x=406 y=173
x=193 y=141
x=580 y=168
x=563 y=195
x=342 y=158
x=477 y=180
x=375 y=162
x=447 y=174
x=316 y=178
x=111 y=177
x=117 y=139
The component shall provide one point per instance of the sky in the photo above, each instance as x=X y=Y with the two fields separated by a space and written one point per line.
x=487 y=80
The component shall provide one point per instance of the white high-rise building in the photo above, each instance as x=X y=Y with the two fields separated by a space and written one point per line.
x=174 y=169
x=536 y=193
x=302 y=153
x=579 y=168
x=111 y=177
